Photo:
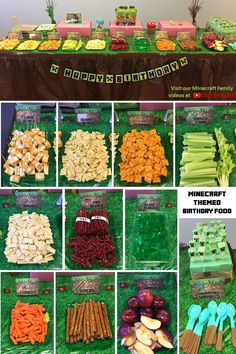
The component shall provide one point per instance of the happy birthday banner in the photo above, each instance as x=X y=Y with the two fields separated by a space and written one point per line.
x=120 y=78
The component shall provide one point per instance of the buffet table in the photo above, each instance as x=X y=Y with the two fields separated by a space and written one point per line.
x=109 y=75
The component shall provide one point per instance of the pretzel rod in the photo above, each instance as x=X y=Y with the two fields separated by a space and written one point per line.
x=93 y=323
x=88 y=322
x=68 y=325
x=75 y=333
x=101 y=320
x=84 y=336
x=74 y=315
x=97 y=333
x=99 y=328
x=71 y=316
x=80 y=326
x=71 y=320
x=105 y=315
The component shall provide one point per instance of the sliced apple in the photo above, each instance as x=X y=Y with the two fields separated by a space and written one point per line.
x=148 y=332
x=128 y=341
x=143 y=338
x=164 y=338
x=136 y=325
x=150 y=323
x=156 y=346
x=142 y=348
x=131 y=349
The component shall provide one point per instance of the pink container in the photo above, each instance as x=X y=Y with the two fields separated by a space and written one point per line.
x=145 y=106
x=42 y=276
x=128 y=30
x=6 y=192
x=173 y=27
x=83 y=28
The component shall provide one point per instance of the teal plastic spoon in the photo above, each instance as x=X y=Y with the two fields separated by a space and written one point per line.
x=193 y=314
x=221 y=311
x=220 y=333
x=197 y=332
x=212 y=307
x=231 y=313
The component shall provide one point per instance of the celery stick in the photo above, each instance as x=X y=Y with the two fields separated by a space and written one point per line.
x=203 y=183
x=226 y=164
x=199 y=143
x=197 y=135
x=199 y=165
x=197 y=149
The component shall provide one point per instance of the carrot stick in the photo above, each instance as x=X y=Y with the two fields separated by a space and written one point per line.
x=28 y=323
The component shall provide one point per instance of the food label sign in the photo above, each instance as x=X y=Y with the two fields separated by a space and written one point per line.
x=212 y=288
x=88 y=116
x=93 y=200
x=28 y=114
x=151 y=282
x=148 y=202
x=140 y=118
x=28 y=199
x=27 y=287
x=196 y=115
x=86 y=285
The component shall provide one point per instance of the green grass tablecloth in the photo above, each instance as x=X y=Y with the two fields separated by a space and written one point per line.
x=132 y=48
x=169 y=293
x=8 y=301
x=162 y=129
x=68 y=127
x=130 y=210
x=29 y=181
x=65 y=299
x=228 y=127
x=186 y=300
x=114 y=207
x=49 y=208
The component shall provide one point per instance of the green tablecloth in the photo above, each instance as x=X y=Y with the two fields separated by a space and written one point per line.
x=48 y=208
x=114 y=207
x=132 y=48
x=8 y=301
x=65 y=299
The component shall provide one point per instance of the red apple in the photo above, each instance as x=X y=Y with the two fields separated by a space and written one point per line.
x=163 y=316
x=146 y=311
x=158 y=302
x=125 y=330
x=129 y=316
x=145 y=298
x=133 y=302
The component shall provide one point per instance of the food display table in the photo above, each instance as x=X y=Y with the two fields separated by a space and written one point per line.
x=116 y=75
x=84 y=28
x=128 y=30
x=173 y=27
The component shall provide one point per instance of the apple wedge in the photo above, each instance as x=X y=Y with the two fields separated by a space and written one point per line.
x=142 y=349
x=128 y=341
x=150 y=323
x=143 y=338
x=164 y=338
